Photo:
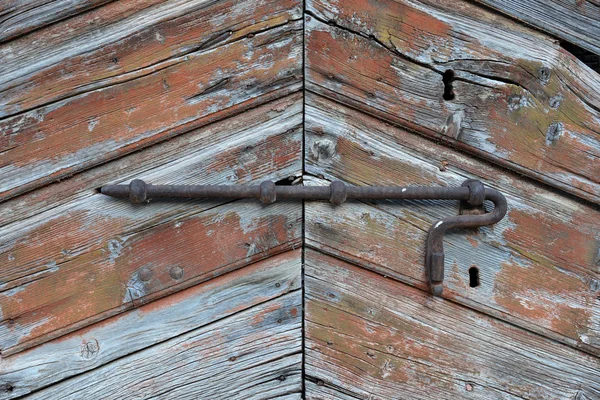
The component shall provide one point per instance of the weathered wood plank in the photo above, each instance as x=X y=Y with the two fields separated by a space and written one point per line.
x=56 y=140
x=318 y=391
x=87 y=256
x=149 y=324
x=539 y=267
x=279 y=116
x=575 y=21
x=374 y=337
x=518 y=98
x=123 y=41
x=18 y=17
x=253 y=354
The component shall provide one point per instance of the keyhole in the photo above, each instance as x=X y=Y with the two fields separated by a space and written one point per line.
x=447 y=78
x=473 y=277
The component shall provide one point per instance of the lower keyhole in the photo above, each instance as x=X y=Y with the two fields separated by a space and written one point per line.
x=473 y=276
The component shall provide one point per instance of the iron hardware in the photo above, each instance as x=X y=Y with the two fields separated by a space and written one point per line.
x=472 y=194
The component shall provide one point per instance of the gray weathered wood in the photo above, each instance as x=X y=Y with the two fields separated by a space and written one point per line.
x=376 y=338
x=575 y=21
x=83 y=248
x=18 y=17
x=538 y=267
x=122 y=41
x=253 y=354
x=148 y=325
x=161 y=90
x=318 y=391
x=519 y=99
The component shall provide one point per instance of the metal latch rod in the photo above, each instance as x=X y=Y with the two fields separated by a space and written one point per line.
x=471 y=193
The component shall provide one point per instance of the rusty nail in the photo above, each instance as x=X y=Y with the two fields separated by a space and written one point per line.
x=145 y=274
x=176 y=273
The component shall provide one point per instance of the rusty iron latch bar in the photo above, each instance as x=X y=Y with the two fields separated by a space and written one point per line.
x=472 y=194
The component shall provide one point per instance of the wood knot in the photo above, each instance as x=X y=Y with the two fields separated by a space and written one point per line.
x=89 y=349
x=7 y=388
x=322 y=149
x=544 y=74
x=554 y=132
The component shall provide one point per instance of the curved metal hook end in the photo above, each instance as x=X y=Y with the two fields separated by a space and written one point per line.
x=434 y=254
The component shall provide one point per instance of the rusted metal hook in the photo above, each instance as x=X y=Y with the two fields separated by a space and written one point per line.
x=472 y=193
x=434 y=249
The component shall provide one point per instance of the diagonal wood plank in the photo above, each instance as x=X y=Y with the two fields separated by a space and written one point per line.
x=516 y=97
x=574 y=21
x=122 y=41
x=254 y=354
x=538 y=268
x=151 y=324
x=18 y=17
x=372 y=337
x=87 y=257
x=165 y=99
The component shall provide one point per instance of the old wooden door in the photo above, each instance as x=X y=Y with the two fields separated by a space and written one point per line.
x=100 y=299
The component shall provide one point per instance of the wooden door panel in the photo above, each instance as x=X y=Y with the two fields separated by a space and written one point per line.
x=91 y=257
x=149 y=83
x=538 y=267
x=518 y=98
x=206 y=299
x=372 y=337
x=259 y=295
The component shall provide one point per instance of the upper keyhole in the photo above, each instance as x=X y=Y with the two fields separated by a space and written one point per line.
x=447 y=78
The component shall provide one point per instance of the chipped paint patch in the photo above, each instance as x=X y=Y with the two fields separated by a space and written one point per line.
x=92 y=124
x=114 y=249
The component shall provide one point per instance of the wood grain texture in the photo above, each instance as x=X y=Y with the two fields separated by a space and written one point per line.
x=253 y=354
x=130 y=332
x=519 y=99
x=125 y=40
x=369 y=337
x=18 y=17
x=539 y=267
x=173 y=93
x=85 y=257
x=574 y=21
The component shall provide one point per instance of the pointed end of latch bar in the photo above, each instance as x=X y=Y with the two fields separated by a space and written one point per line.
x=118 y=191
x=136 y=191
